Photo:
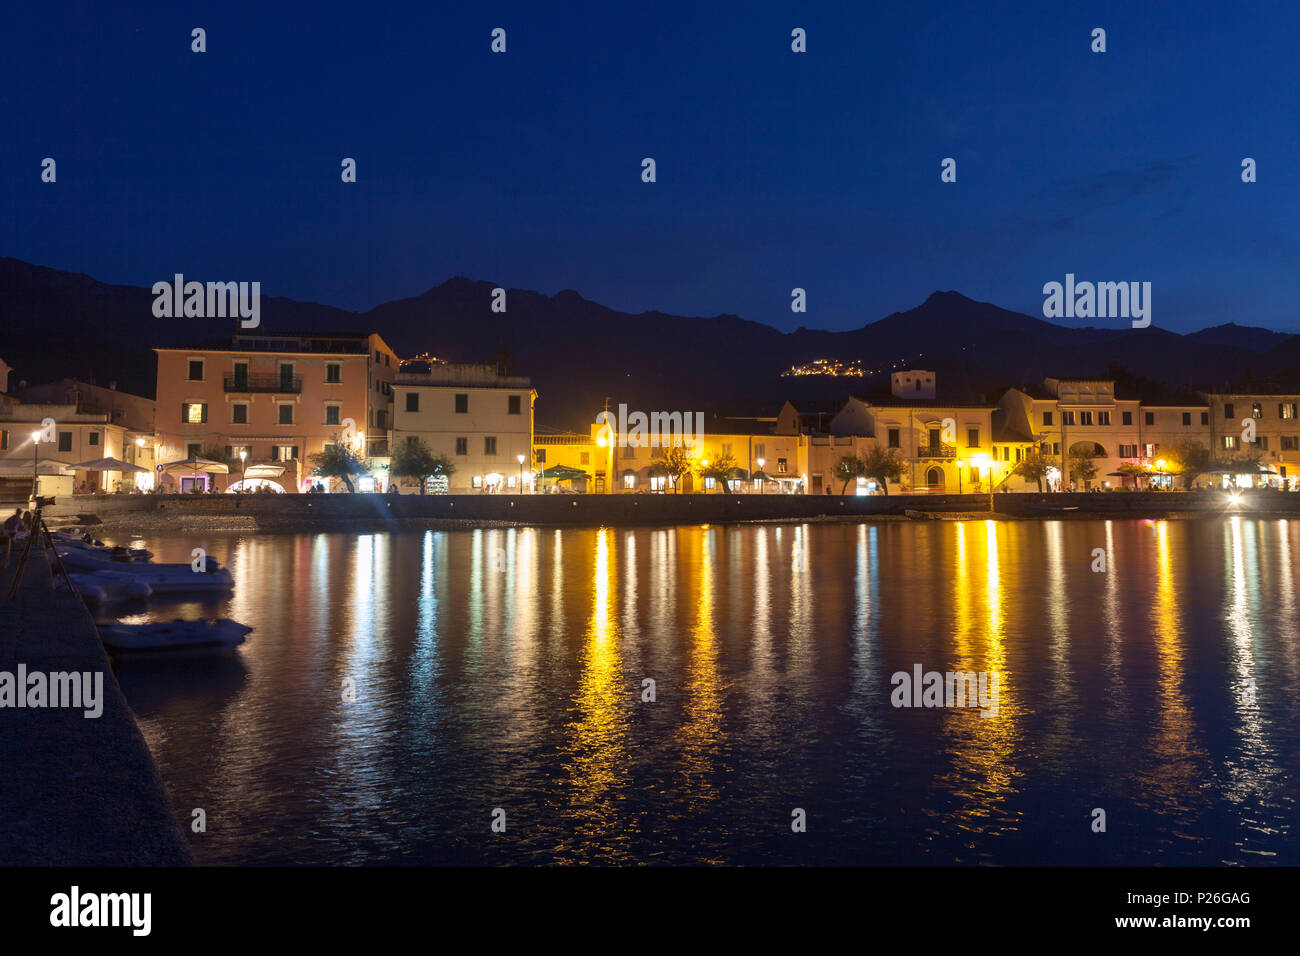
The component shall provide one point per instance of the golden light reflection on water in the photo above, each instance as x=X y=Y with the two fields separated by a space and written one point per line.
x=1173 y=747
x=983 y=750
x=595 y=745
x=699 y=735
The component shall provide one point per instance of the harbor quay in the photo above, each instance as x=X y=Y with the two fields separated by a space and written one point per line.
x=80 y=787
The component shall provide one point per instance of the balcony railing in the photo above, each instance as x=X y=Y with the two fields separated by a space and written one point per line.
x=939 y=450
x=263 y=383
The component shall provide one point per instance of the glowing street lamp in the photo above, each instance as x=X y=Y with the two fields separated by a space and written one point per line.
x=984 y=464
x=520 y=459
x=761 y=463
x=243 y=457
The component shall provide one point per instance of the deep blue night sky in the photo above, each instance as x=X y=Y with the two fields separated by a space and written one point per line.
x=775 y=169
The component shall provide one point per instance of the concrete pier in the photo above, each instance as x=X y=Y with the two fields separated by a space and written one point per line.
x=74 y=790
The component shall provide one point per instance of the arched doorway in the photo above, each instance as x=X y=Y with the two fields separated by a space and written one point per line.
x=934 y=478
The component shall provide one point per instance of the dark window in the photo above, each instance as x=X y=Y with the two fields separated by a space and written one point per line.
x=1291 y=442
x=489 y=445
x=65 y=441
x=286 y=378
x=462 y=446
x=333 y=373
x=1228 y=411
x=972 y=438
x=376 y=356
x=196 y=370
x=412 y=401
x=1205 y=418
x=1262 y=441
x=241 y=376
x=239 y=414
x=1149 y=418
x=1047 y=418
x=286 y=414
x=1056 y=448
x=331 y=414
x=1067 y=418
x=1128 y=418
x=513 y=404
x=1187 y=418
x=893 y=438
x=93 y=438
x=192 y=451
x=4 y=440
x=541 y=456
x=381 y=419
x=462 y=404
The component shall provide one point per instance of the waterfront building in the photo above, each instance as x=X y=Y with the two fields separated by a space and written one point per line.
x=1272 y=417
x=946 y=446
x=479 y=415
x=1130 y=443
x=77 y=436
x=278 y=399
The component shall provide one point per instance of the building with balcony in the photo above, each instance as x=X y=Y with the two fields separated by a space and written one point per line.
x=946 y=446
x=278 y=399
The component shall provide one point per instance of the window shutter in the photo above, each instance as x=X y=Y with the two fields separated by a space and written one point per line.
x=295 y=452
x=204 y=410
x=275 y=452
x=185 y=413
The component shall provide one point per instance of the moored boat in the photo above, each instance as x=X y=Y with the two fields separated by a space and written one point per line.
x=163 y=637
x=161 y=578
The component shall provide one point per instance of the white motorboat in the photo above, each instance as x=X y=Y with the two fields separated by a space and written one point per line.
x=161 y=578
x=110 y=586
x=164 y=637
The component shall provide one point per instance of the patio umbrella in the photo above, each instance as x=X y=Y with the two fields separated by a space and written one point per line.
x=563 y=473
x=109 y=464
x=193 y=466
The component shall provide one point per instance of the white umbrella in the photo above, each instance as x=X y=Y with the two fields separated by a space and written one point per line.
x=196 y=465
x=193 y=466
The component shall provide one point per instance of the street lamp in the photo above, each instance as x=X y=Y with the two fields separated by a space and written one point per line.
x=243 y=457
x=36 y=441
x=761 y=463
x=520 y=459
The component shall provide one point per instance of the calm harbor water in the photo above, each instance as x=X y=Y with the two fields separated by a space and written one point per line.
x=504 y=668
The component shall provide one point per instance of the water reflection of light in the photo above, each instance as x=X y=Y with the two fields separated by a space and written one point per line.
x=1253 y=772
x=700 y=734
x=982 y=750
x=595 y=760
x=1171 y=782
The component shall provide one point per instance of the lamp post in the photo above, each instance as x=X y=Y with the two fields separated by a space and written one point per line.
x=243 y=457
x=520 y=459
x=36 y=442
x=761 y=463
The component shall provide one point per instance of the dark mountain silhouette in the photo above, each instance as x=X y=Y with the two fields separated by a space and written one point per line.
x=57 y=324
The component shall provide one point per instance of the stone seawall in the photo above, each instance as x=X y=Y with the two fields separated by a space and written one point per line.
x=75 y=790
x=238 y=511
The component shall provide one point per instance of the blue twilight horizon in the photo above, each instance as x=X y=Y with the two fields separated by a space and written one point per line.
x=774 y=169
